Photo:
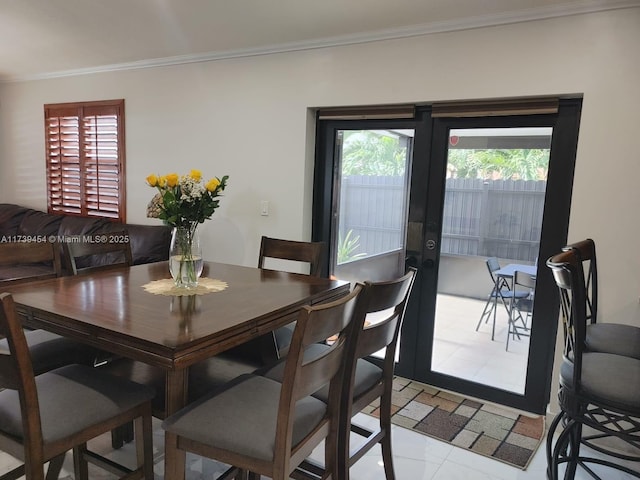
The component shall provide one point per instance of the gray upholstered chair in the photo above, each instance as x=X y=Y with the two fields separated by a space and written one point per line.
x=41 y=261
x=381 y=308
x=43 y=417
x=597 y=390
x=265 y=427
x=615 y=338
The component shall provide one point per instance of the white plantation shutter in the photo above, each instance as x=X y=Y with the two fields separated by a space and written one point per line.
x=85 y=159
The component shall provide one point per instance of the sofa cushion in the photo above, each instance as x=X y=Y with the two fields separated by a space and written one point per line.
x=149 y=243
x=10 y=218
x=39 y=224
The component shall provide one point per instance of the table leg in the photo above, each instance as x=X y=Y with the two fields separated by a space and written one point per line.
x=176 y=390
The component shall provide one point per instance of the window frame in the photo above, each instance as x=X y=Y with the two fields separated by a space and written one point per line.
x=95 y=183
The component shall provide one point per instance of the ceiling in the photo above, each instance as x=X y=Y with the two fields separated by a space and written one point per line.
x=49 y=38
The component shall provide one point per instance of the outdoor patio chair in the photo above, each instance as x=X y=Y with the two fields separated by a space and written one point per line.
x=521 y=306
x=500 y=291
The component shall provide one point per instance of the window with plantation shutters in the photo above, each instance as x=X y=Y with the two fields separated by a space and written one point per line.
x=85 y=158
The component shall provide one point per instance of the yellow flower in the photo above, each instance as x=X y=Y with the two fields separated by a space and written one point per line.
x=212 y=184
x=152 y=180
x=172 y=180
x=196 y=175
x=162 y=181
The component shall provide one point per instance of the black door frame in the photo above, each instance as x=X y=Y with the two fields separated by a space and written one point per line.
x=425 y=214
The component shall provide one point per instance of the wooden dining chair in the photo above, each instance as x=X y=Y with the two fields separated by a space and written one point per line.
x=31 y=261
x=265 y=427
x=40 y=261
x=617 y=338
x=43 y=417
x=310 y=253
x=381 y=308
x=109 y=250
x=291 y=252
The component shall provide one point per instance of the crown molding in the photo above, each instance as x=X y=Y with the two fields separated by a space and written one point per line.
x=481 y=21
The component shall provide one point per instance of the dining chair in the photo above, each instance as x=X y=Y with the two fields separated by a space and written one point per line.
x=597 y=390
x=500 y=291
x=32 y=260
x=43 y=417
x=291 y=252
x=42 y=261
x=111 y=249
x=380 y=314
x=265 y=427
x=615 y=338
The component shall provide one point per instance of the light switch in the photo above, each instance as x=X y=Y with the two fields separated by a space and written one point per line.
x=264 y=208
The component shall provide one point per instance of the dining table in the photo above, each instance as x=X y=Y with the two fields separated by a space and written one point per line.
x=123 y=311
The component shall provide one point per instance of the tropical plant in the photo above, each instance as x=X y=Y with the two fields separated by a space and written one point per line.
x=373 y=153
x=347 y=247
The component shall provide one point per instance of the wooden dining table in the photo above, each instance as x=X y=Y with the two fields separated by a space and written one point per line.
x=113 y=311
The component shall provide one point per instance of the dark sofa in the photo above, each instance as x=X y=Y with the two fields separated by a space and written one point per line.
x=149 y=243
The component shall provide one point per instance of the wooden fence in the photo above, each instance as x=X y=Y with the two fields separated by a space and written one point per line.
x=500 y=218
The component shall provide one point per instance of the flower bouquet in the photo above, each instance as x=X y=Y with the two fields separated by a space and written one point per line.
x=183 y=202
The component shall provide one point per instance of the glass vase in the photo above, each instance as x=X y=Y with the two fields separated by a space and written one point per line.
x=185 y=256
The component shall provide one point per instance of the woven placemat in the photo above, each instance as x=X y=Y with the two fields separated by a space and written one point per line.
x=167 y=287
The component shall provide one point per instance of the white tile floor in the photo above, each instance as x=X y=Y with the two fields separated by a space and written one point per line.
x=460 y=351
x=416 y=457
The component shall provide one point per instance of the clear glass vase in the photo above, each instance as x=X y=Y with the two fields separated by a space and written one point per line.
x=185 y=256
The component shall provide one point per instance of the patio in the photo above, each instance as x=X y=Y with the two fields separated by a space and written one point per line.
x=462 y=352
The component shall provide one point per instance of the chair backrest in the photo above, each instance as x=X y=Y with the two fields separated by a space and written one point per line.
x=304 y=376
x=492 y=265
x=33 y=260
x=16 y=373
x=97 y=252
x=306 y=252
x=526 y=283
x=381 y=312
x=524 y=279
x=585 y=250
x=568 y=274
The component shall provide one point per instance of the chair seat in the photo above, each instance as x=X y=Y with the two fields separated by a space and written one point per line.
x=204 y=377
x=242 y=417
x=614 y=338
x=510 y=294
x=367 y=374
x=50 y=351
x=609 y=379
x=101 y=397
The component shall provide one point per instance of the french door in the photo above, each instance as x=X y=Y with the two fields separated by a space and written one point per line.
x=444 y=194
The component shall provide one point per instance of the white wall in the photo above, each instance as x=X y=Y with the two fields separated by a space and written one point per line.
x=249 y=118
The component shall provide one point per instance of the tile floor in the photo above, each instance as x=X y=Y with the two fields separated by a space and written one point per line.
x=416 y=456
x=460 y=351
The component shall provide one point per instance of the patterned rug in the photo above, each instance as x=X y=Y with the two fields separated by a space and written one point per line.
x=487 y=429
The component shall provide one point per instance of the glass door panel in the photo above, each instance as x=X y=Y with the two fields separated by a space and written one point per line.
x=369 y=231
x=492 y=218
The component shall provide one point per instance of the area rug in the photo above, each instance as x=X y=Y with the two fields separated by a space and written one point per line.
x=496 y=432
